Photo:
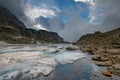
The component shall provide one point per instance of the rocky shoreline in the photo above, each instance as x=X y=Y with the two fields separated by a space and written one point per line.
x=109 y=58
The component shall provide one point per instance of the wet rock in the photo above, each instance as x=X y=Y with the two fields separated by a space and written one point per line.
x=117 y=72
x=114 y=51
x=99 y=58
x=107 y=73
x=99 y=51
x=88 y=49
x=56 y=51
x=105 y=63
x=71 y=48
x=53 y=50
x=96 y=74
x=116 y=66
x=111 y=69
x=117 y=69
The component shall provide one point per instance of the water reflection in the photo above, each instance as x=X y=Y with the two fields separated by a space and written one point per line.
x=80 y=70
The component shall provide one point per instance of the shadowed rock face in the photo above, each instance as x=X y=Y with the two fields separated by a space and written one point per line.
x=12 y=30
x=45 y=36
x=9 y=19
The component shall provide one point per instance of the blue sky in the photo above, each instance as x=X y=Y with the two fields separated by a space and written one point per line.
x=69 y=5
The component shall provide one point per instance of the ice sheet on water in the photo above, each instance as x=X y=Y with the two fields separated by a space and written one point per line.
x=69 y=57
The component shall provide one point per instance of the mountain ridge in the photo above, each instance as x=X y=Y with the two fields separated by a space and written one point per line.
x=12 y=30
x=109 y=38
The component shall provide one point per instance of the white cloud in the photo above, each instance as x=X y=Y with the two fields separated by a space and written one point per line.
x=38 y=26
x=91 y=2
x=93 y=18
x=33 y=12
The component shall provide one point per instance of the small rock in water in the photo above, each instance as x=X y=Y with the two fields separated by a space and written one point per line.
x=95 y=74
x=71 y=48
x=107 y=73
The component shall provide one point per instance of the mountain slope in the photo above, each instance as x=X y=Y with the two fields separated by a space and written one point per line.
x=107 y=39
x=12 y=30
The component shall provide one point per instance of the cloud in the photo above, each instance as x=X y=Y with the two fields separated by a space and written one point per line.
x=106 y=13
x=91 y=2
x=34 y=14
x=38 y=27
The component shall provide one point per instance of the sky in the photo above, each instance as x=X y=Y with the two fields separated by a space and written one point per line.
x=69 y=18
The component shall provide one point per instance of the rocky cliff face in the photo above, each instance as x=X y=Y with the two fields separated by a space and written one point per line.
x=107 y=39
x=12 y=30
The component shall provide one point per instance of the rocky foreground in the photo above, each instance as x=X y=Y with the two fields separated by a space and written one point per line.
x=105 y=48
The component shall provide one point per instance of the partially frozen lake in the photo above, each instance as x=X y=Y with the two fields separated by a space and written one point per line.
x=33 y=60
x=45 y=62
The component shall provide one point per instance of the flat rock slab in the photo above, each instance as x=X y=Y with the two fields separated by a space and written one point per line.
x=105 y=63
x=116 y=66
x=99 y=58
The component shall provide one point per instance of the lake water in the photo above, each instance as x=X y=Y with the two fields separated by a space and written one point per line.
x=70 y=65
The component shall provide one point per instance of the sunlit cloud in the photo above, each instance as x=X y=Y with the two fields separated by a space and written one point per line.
x=91 y=2
x=38 y=27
